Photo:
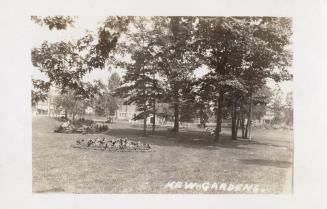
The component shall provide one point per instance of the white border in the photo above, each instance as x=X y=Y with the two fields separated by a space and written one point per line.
x=310 y=69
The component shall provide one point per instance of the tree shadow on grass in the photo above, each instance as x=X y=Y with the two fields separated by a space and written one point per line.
x=254 y=142
x=52 y=190
x=188 y=139
x=262 y=162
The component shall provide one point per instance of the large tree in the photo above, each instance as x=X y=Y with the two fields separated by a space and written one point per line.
x=219 y=43
x=268 y=57
x=74 y=101
x=65 y=63
x=141 y=81
x=173 y=38
x=139 y=86
x=106 y=103
x=242 y=52
x=55 y=22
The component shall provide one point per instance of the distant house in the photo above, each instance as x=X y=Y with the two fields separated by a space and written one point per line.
x=126 y=112
x=44 y=108
x=268 y=117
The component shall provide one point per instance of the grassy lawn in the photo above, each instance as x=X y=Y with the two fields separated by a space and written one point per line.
x=189 y=156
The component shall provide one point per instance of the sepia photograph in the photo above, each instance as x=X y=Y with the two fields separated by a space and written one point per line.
x=150 y=104
x=162 y=104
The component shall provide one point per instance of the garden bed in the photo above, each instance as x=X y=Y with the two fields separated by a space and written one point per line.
x=81 y=126
x=114 y=145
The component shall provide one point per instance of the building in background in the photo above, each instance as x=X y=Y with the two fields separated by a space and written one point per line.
x=46 y=108
x=126 y=112
x=268 y=117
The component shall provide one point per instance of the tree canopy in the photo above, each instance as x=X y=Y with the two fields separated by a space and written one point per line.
x=160 y=56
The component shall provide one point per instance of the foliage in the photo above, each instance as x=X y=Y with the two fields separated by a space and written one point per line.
x=160 y=55
x=260 y=101
x=288 y=109
x=141 y=84
x=242 y=53
x=66 y=63
x=106 y=103
x=176 y=61
x=73 y=102
x=277 y=107
x=55 y=22
x=164 y=111
x=39 y=91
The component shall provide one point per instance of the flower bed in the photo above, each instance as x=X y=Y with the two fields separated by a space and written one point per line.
x=81 y=127
x=114 y=145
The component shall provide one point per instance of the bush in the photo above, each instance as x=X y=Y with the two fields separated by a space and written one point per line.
x=81 y=126
x=59 y=129
x=102 y=128
x=82 y=121
x=276 y=126
x=61 y=119
x=201 y=125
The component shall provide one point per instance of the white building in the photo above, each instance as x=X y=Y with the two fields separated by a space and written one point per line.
x=268 y=117
x=44 y=108
x=126 y=112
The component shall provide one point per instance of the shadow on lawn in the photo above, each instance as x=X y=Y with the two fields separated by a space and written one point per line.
x=189 y=139
x=254 y=142
x=274 y=163
x=52 y=190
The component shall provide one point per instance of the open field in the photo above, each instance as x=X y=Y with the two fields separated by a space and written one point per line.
x=189 y=156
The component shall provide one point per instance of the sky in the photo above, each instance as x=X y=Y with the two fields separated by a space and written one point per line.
x=91 y=23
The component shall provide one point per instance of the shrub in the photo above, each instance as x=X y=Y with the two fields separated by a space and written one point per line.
x=82 y=121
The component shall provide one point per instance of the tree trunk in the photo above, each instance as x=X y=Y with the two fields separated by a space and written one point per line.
x=154 y=116
x=250 y=119
x=176 y=117
x=94 y=108
x=144 y=125
x=242 y=124
x=202 y=120
x=247 y=128
x=234 y=135
x=144 y=121
x=66 y=114
x=219 y=115
x=201 y=116
x=238 y=123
